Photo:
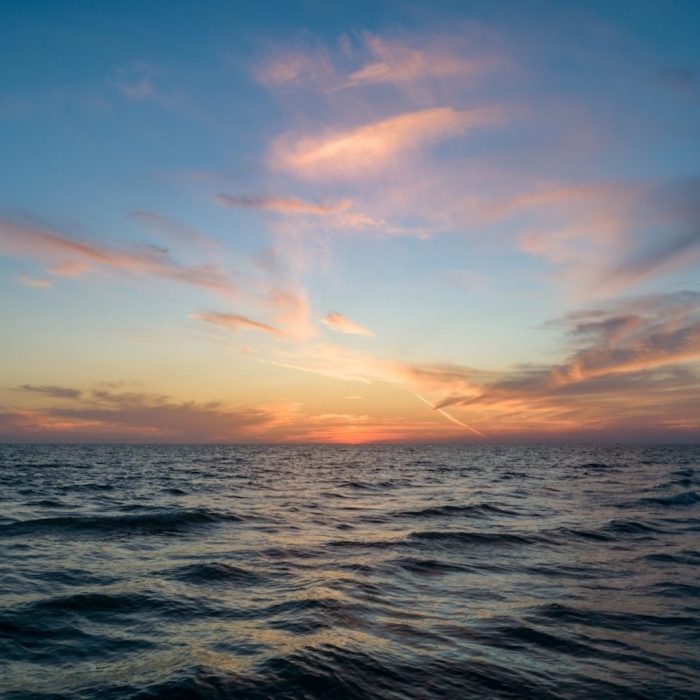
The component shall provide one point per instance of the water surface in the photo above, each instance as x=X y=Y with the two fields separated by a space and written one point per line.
x=358 y=572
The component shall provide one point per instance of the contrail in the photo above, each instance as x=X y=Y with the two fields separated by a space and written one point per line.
x=449 y=417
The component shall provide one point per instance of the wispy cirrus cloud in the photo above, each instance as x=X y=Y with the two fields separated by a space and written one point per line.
x=237 y=322
x=37 y=282
x=71 y=256
x=294 y=66
x=337 y=322
x=283 y=205
x=287 y=305
x=367 y=149
x=136 y=80
x=668 y=231
x=402 y=61
x=337 y=214
x=338 y=362
x=597 y=236
x=170 y=229
x=370 y=59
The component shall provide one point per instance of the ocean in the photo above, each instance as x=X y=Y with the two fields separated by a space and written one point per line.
x=470 y=571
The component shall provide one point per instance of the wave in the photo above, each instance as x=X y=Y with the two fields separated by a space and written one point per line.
x=684 y=558
x=330 y=671
x=427 y=567
x=594 y=535
x=159 y=522
x=370 y=485
x=105 y=606
x=631 y=527
x=616 y=620
x=686 y=498
x=448 y=537
x=216 y=572
x=478 y=510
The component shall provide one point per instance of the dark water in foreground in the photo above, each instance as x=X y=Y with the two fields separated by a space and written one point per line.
x=367 y=572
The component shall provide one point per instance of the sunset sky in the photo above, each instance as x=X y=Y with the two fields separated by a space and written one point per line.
x=349 y=222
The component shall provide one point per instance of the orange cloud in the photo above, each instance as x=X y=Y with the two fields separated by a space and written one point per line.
x=338 y=322
x=371 y=147
x=404 y=60
x=621 y=353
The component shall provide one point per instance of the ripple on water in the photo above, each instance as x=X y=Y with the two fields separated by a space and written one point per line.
x=352 y=572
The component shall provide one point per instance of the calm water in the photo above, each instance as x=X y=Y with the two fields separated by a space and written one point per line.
x=367 y=572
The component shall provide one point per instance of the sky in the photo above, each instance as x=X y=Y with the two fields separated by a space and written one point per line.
x=319 y=221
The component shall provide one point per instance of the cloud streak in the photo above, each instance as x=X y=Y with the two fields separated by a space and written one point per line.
x=73 y=257
x=283 y=205
x=237 y=322
x=342 y=324
x=398 y=62
x=371 y=147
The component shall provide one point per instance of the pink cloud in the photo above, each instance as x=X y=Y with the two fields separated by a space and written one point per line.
x=341 y=324
x=236 y=322
x=290 y=307
x=367 y=149
x=295 y=66
x=170 y=229
x=70 y=256
x=400 y=62
x=283 y=205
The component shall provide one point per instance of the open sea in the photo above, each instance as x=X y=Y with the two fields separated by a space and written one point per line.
x=349 y=572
